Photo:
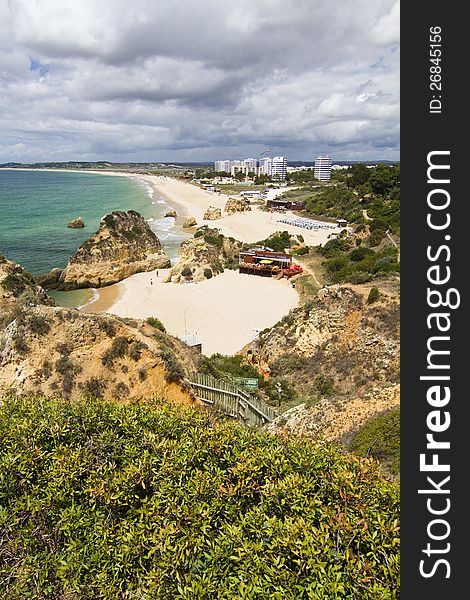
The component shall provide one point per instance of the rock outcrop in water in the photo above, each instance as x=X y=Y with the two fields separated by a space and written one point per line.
x=77 y=223
x=189 y=222
x=123 y=245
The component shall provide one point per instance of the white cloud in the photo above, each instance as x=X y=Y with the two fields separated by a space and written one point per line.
x=145 y=80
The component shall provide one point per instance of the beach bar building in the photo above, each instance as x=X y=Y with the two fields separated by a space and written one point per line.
x=267 y=263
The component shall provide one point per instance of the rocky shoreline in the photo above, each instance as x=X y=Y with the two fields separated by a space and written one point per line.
x=123 y=245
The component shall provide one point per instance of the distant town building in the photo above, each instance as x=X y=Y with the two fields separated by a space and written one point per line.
x=275 y=167
x=222 y=165
x=322 y=170
x=250 y=165
x=265 y=165
x=279 y=168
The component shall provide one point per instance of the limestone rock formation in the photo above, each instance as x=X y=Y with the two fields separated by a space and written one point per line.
x=171 y=213
x=61 y=352
x=336 y=343
x=204 y=256
x=212 y=213
x=234 y=205
x=336 y=419
x=123 y=245
x=76 y=223
x=17 y=285
x=189 y=222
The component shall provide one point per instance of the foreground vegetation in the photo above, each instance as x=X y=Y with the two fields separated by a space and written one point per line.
x=101 y=500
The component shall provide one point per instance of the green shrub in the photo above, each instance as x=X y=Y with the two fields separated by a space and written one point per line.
x=119 y=348
x=174 y=371
x=156 y=323
x=39 y=324
x=107 y=326
x=139 y=500
x=64 y=348
x=186 y=272
x=13 y=283
x=324 y=385
x=380 y=438
x=208 y=273
x=94 y=387
x=135 y=350
x=373 y=295
x=214 y=240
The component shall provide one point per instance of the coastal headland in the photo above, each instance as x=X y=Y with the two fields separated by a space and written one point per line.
x=226 y=312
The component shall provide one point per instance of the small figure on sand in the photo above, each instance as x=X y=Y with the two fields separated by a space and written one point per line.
x=151 y=282
x=157 y=273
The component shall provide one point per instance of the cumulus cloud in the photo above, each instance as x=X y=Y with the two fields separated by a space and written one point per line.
x=145 y=80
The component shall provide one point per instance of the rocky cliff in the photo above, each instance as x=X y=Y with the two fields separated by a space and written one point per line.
x=123 y=245
x=204 y=256
x=17 y=284
x=61 y=352
x=336 y=343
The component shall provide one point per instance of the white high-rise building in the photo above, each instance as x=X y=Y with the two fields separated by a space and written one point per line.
x=279 y=168
x=222 y=165
x=265 y=165
x=250 y=165
x=322 y=170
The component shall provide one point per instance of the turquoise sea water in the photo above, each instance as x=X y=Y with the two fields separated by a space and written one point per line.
x=35 y=207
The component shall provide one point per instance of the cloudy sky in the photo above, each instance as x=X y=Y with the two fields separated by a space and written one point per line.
x=198 y=80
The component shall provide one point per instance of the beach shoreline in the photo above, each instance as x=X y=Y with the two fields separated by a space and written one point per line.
x=224 y=313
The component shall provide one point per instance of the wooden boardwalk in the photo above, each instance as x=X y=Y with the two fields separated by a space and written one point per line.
x=231 y=400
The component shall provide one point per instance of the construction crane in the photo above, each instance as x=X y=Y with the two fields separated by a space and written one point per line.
x=266 y=151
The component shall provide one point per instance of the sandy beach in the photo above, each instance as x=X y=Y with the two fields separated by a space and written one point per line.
x=224 y=313
x=251 y=226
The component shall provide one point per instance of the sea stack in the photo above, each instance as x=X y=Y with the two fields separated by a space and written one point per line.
x=77 y=223
x=123 y=245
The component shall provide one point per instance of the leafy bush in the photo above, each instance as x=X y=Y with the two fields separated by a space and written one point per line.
x=208 y=273
x=39 y=324
x=214 y=240
x=107 y=326
x=186 y=272
x=278 y=241
x=64 y=348
x=373 y=295
x=154 y=322
x=135 y=350
x=109 y=500
x=174 y=370
x=380 y=438
x=118 y=349
x=94 y=387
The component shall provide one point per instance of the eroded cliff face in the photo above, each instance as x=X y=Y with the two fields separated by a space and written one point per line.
x=335 y=344
x=204 y=257
x=16 y=283
x=342 y=355
x=60 y=352
x=123 y=245
x=336 y=419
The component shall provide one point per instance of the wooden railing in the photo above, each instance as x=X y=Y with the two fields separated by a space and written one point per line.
x=231 y=400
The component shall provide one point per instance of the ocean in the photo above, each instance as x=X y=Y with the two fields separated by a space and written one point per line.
x=35 y=207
